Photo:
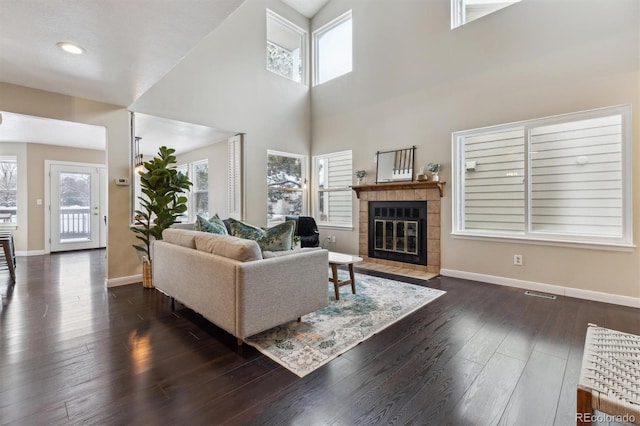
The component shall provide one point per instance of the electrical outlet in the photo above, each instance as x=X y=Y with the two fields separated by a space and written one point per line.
x=332 y=238
x=517 y=259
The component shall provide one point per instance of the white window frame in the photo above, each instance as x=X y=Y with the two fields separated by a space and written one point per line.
x=317 y=34
x=305 y=178
x=458 y=12
x=13 y=159
x=271 y=15
x=192 y=207
x=190 y=169
x=588 y=241
x=317 y=190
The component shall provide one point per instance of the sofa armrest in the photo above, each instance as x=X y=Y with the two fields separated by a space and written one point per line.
x=273 y=291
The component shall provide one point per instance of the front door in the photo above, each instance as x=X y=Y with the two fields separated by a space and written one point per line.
x=75 y=207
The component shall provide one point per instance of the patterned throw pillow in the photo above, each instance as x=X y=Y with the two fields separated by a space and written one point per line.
x=244 y=230
x=216 y=219
x=213 y=225
x=279 y=237
x=276 y=238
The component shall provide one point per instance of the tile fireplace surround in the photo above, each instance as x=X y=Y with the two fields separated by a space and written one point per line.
x=427 y=191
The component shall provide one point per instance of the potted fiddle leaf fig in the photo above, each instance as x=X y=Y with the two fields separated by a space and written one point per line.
x=160 y=205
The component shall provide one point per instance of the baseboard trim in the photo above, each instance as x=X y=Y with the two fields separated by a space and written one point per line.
x=131 y=279
x=578 y=293
x=31 y=253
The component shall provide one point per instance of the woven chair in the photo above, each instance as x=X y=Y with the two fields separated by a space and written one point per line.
x=610 y=376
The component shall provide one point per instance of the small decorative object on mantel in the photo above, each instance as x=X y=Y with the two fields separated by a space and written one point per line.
x=434 y=168
x=422 y=175
x=395 y=166
x=361 y=176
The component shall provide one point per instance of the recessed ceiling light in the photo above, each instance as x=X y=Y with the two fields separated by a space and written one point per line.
x=71 y=48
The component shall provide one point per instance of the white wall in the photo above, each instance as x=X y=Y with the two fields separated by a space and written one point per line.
x=121 y=258
x=415 y=81
x=216 y=156
x=224 y=83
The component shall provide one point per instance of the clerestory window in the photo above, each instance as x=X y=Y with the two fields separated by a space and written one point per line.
x=333 y=49
x=285 y=47
x=464 y=11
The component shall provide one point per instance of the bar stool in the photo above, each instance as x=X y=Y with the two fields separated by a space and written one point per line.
x=6 y=240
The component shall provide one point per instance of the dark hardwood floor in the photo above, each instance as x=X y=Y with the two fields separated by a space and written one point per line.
x=73 y=352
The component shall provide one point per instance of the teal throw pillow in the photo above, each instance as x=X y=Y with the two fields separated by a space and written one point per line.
x=216 y=219
x=213 y=225
x=244 y=230
x=276 y=238
x=279 y=237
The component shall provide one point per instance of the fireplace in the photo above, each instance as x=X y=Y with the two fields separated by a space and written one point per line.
x=426 y=193
x=397 y=231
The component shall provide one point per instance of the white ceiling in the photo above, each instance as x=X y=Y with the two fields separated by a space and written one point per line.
x=306 y=8
x=26 y=128
x=156 y=132
x=129 y=46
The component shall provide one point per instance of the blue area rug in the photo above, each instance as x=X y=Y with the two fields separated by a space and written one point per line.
x=302 y=347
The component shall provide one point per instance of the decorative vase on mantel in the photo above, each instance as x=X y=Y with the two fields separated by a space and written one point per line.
x=361 y=177
x=434 y=168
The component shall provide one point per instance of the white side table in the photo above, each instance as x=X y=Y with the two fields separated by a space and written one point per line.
x=336 y=259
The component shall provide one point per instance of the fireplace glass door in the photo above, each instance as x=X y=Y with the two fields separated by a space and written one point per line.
x=400 y=236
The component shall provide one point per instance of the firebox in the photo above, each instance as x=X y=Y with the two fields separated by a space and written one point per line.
x=397 y=231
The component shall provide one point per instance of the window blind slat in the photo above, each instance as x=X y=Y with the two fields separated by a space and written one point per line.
x=575 y=185
x=498 y=177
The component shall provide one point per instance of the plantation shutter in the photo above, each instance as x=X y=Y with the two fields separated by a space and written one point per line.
x=340 y=179
x=493 y=170
x=234 y=190
x=576 y=172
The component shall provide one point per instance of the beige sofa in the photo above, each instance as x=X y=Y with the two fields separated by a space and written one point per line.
x=227 y=280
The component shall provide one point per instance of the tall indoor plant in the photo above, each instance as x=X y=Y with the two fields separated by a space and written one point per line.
x=161 y=203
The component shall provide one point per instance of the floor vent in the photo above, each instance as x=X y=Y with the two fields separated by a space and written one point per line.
x=543 y=295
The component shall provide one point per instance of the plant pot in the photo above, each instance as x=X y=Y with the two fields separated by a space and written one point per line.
x=147 y=276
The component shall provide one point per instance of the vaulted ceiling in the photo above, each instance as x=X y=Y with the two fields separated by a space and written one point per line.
x=128 y=46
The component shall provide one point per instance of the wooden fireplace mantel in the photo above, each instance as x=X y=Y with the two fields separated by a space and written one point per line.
x=416 y=184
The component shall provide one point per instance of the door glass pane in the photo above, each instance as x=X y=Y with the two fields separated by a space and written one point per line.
x=75 y=206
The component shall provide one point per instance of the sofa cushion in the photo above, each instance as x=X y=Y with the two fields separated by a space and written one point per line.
x=271 y=254
x=181 y=237
x=214 y=225
x=228 y=246
x=279 y=237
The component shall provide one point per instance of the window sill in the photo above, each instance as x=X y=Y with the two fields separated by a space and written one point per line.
x=335 y=226
x=8 y=227
x=548 y=242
